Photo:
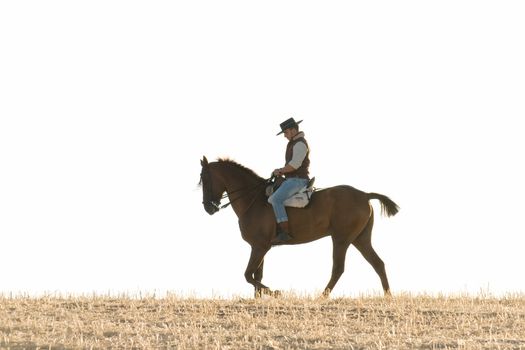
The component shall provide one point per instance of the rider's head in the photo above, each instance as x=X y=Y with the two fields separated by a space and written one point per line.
x=290 y=127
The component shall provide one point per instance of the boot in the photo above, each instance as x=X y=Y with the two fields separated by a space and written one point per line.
x=282 y=233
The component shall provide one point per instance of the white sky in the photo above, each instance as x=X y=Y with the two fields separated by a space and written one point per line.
x=106 y=108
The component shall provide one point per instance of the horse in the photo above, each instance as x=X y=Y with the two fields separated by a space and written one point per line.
x=342 y=212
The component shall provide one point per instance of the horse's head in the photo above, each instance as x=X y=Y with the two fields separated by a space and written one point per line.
x=212 y=189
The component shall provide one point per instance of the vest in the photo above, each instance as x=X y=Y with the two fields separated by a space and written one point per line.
x=302 y=171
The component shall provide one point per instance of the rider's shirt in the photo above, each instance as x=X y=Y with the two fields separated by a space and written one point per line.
x=297 y=156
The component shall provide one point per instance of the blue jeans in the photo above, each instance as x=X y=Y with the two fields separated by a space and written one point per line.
x=288 y=188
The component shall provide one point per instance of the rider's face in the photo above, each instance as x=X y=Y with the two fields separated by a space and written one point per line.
x=290 y=133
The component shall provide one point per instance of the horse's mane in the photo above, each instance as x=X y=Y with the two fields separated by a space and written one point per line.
x=240 y=167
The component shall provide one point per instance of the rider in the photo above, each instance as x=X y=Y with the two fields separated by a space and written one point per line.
x=295 y=172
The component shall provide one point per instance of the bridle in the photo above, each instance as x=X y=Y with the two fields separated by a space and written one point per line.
x=207 y=187
x=216 y=203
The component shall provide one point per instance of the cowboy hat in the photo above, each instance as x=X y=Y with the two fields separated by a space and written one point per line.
x=287 y=124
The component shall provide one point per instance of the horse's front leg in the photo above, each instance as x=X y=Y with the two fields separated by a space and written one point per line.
x=258 y=275
x=253 y=273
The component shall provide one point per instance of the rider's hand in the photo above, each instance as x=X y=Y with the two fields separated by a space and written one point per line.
x=277 y=172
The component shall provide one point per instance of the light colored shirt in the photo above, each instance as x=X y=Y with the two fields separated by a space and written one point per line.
x=299 y=152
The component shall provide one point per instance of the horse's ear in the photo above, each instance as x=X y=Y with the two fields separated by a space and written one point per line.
x=204 y=161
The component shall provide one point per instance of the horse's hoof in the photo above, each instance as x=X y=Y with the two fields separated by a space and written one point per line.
x=277 y=294
x=260 y=292
x=326 y=293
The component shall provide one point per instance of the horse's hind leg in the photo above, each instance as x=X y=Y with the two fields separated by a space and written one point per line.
x=338 y=264
x=363 y=243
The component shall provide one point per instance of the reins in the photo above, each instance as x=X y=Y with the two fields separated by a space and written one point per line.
x=250 y=188
x=216 y=203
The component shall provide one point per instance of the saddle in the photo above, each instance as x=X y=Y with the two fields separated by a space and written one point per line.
x=299 y=199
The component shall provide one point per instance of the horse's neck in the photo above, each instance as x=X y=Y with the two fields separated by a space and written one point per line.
x=242 y=189
x=238 y=180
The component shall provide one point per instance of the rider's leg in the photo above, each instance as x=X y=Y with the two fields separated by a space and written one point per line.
x=288 y=188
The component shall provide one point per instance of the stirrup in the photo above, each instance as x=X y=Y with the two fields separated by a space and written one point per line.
x=282 y=237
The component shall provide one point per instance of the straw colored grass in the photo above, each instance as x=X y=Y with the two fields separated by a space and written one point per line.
x=402 y=322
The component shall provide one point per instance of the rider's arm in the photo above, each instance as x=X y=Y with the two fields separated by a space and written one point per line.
x=299 y=153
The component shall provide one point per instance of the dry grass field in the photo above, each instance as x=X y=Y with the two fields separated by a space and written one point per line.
x=289 y=322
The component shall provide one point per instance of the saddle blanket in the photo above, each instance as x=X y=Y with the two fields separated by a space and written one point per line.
x=300 y=199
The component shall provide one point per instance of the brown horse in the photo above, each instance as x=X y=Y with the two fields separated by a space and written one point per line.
x=342 y=212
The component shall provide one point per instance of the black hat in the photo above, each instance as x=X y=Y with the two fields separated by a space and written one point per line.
x=289 y=123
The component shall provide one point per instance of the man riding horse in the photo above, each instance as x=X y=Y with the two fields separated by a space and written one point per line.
x=295 y=172
x=342 y=212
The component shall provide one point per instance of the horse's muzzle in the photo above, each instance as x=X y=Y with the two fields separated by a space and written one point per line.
x=211 y=207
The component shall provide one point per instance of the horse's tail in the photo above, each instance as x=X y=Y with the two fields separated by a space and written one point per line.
x=388 y=207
